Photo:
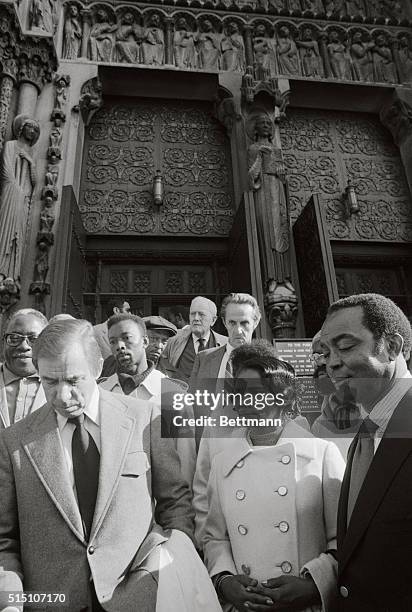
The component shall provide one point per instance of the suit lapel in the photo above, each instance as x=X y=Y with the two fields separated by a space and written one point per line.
x=215 y=359
x=4 y=411
x=39 y=399
x=116 y=430
x=44 y=449
x=392 y=452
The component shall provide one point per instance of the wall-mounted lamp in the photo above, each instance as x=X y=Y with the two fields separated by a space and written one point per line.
x=158 y=188
x=351 y=201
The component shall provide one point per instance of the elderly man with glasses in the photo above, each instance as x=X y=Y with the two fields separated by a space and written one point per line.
x=20 y=390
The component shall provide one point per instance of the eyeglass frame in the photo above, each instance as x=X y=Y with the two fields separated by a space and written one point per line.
x=317 y=357
x=30 y=339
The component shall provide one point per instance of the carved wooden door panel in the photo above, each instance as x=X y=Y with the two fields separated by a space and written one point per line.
x=315 y=264
x=127 y=141
x=323 y=150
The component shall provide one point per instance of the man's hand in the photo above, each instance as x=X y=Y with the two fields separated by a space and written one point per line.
x=239 y=591
x=289 y=593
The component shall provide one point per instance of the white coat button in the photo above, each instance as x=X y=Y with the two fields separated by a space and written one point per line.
x=242 y=529
x=91 y=550
x=240 y=494
x=240 y=463
x=344 y=591
x=285 y=459
x=283 y=526
x=286 y=567
x=282 y=491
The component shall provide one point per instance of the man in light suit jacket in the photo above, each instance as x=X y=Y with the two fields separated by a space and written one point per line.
x=366 y=340
x=180 y=351
x=78 y=482
x=20 y=390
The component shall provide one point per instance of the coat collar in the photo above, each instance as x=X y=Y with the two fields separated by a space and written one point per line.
x=238 y=447
x=43 y=446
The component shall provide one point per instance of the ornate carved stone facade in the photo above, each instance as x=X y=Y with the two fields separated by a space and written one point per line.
x=127 y=144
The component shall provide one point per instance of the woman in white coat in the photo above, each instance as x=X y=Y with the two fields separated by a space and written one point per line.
x=270 y=535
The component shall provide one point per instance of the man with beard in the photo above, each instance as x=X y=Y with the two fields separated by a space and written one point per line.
x=137 y=376
x=340 y=416
x=20 y=388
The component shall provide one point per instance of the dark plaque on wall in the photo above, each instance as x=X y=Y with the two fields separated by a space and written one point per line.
x=298 y=353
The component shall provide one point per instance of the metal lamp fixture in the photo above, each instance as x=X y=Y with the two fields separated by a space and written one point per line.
x=158 y=191
x=351 y=201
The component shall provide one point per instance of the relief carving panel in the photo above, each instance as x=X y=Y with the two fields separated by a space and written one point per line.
x=126 y=144
x=324 y=150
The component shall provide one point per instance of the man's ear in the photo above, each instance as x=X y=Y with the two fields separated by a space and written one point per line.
x=146 y=341
x=99 y=367
x=255 y=324
x=213 y=321
x=394 y=345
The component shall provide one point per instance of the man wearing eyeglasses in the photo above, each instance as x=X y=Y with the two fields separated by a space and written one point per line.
x=20 y=390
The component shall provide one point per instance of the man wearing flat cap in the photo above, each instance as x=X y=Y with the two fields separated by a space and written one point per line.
x=159 y=330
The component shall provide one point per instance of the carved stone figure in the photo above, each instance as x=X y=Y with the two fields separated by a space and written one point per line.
x=61 y=84
x=374 y=8
x=54 y=151
x=72 y=35
x=102 y=38
x=35 y=71
x=41 y=15
x=41 y=266
x=288 y=55
x=336 y=8
x=294 y=6
x=405 y=59
x=184 y=45
x=383 y=64
x=311 y=60
x=153 y=46
x=233 y=49
x=392 y=9
x=314 y=6
x=264 y=53
x=278 y=5
x=361 y=54
x=338 y=58
x=208 y=44
x=354 y=8
x=266 y=178
x=47 y=217
x=18 y=178
x=127 y=35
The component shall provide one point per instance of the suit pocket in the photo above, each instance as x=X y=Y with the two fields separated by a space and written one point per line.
x=136 y=464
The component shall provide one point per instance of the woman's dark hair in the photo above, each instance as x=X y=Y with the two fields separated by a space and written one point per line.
x=277 y=376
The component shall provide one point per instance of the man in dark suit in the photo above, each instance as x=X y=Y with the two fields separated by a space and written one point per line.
x=180 y=351
x=366 y=340
x=78 y=482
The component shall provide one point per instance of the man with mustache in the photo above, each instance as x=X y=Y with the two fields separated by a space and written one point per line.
x=20 y=390
x=159 y=331
x=92 y=503
x=138 y=377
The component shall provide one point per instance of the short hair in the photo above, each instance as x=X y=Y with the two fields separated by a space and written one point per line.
x=127 y=316
x=62 y=316
x=240 y=298
x=27 y=312
x=56 y=336
x=278 y=376
x=380 y=315
x=211 y=305
x=182 y=310
x=114 y=303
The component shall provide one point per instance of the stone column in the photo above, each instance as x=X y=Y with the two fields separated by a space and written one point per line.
x=169 y=41
x=85 y=13
x=28 y=94
x=247 y=33
x=323 y=40
x=397 y=117
x=6 y=90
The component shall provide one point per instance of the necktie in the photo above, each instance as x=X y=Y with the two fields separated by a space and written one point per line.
x=228 y=369
x=202 y=345
x=362 y=458
x=86 y=463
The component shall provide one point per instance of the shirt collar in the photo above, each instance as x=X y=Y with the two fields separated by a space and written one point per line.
x=91 y=411
x=205 y=338
x=385 y=407
x=10 y=376
x=229 y=348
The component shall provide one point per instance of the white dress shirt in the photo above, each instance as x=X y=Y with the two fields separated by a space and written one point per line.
x=225 y=359
x=91 y=423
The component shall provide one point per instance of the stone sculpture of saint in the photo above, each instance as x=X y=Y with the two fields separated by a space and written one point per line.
x=18 y=179
x=309 y=55
x=233 y=49
x=102 y=38
x=361 y=55
x=153 y=46
x=72 y=35
x=338 y=59
x=288 y=55
x=41 y=15
x=208 y=44
x=383 y=64
x=267 y=179
x=127 y=36
x=264 y=53
x=405 y=59
x=184 y=45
